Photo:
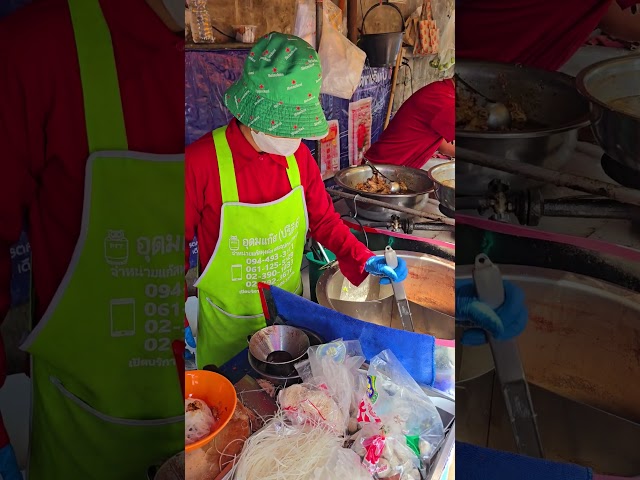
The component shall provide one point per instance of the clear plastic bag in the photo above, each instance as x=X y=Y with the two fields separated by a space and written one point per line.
x=342 y=63
x=305 y=26
x=306 y=404
x=446 y=58
x=385 y=455
x=334 y=367
x=401 y=406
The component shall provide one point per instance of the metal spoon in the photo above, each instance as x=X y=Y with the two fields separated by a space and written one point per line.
x=499 y=115
x=393 y=186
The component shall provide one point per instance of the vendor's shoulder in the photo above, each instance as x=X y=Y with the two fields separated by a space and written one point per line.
x=37 y=30
x=200 y=150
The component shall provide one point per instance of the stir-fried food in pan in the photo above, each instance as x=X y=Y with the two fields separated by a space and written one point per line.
x=377 y=184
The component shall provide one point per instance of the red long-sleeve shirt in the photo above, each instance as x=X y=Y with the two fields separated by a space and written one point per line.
x=262 y=178
x=43 y=141
x=529 y=32
x=419 y=127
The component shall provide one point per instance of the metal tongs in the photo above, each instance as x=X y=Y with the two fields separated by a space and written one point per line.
x=391 y=258
x=506 y=357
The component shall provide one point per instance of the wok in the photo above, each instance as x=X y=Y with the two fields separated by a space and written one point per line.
x=554 y=108
x=616 y=128
x=418 y=183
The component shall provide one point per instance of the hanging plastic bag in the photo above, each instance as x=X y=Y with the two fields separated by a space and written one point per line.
x=428 y=33
x=305 y=26
x=397 y=402
x=342 y=63
x=446 y=58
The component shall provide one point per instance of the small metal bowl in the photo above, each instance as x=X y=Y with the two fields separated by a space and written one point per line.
x=279 y=338
x=445 y=194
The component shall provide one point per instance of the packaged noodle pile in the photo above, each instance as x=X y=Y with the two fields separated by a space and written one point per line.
x=396 y=428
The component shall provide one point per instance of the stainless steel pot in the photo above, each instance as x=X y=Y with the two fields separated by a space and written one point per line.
x=617 y=132
x=445 y=194
x=417 y=181
x=429 y=288
x=549 y=99
x=588 y=410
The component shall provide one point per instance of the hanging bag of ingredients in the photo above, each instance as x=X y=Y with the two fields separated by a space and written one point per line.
x=446 y=57
x=428 y=33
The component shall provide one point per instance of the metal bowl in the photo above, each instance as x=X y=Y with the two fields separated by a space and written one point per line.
x=418 y=182
x=274 y=339
x=549 y=99
x=429 y=288
x=617 y=132
x=445 y=194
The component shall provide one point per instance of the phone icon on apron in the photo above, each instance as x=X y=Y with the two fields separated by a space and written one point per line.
x=123 y=317
x=236 y=273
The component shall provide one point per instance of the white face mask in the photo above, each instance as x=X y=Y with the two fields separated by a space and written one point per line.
x=176 y=9
x=276 y=146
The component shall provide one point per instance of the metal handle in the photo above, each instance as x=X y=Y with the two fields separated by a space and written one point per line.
x=379 y=5
x=390 y=256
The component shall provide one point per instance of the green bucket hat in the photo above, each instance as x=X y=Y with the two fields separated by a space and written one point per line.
x=279 y=90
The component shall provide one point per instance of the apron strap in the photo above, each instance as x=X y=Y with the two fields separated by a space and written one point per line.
x=101 y=91
x=293 y=172
x=227 y=173
x=228 y=184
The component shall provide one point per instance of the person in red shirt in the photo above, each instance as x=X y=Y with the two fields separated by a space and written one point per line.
x=43 y=133
x=424 y=124
x=253 y=190
x=538 y=34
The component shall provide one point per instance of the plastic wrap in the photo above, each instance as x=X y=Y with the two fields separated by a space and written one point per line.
x=397 y=402
x=344 y=464
x=385 y=455
x=334 y=367
x=306 y=404
x=342 y=63
x=446 y=57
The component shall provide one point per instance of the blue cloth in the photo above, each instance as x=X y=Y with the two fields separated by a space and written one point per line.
x=506 y=322
x=476 y=463
x=414 y=350
x=377 y=265
x=9 y=469
x=188 y=337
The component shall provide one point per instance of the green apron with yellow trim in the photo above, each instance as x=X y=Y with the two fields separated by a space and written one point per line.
x=106 y=398
x=257 y=243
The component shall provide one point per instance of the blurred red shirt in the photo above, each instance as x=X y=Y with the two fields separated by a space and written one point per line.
x=528 y=32
x=418 y=128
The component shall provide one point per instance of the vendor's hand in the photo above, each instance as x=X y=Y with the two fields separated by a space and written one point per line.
x=188 y=337
x=504 y=323
x=377 y=265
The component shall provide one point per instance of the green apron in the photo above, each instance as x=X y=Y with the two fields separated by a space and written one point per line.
x=106 y=398
x=256 y=243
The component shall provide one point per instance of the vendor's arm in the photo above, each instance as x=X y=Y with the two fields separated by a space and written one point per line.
x=328 y=229
x=447 y=149
x=621 y=22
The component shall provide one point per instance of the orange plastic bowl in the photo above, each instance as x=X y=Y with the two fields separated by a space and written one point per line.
x=217 y=392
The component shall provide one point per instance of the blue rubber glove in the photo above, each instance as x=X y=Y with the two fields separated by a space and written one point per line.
x=9 y=464
x=188 y=337
x=508 y=321
x=377 y=265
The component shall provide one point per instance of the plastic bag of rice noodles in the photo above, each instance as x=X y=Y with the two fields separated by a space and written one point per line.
x=198 y=420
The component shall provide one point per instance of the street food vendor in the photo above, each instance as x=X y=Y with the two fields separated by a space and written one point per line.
x=506 y=322
x=253 y=191
x=538 y=34
x=424 y=124
x=79 y=78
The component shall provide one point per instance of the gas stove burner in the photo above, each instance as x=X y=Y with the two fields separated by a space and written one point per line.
x=447 y=212
x=625 y=176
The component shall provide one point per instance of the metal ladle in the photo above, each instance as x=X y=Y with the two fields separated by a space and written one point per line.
x=499 y=115
x=394 y=187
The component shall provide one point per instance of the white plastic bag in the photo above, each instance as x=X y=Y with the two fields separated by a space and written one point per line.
x=305 y=26
x=446 y=58
x=342 y=63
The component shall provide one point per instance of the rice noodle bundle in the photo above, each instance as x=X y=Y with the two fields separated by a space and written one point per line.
x=198 y=420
